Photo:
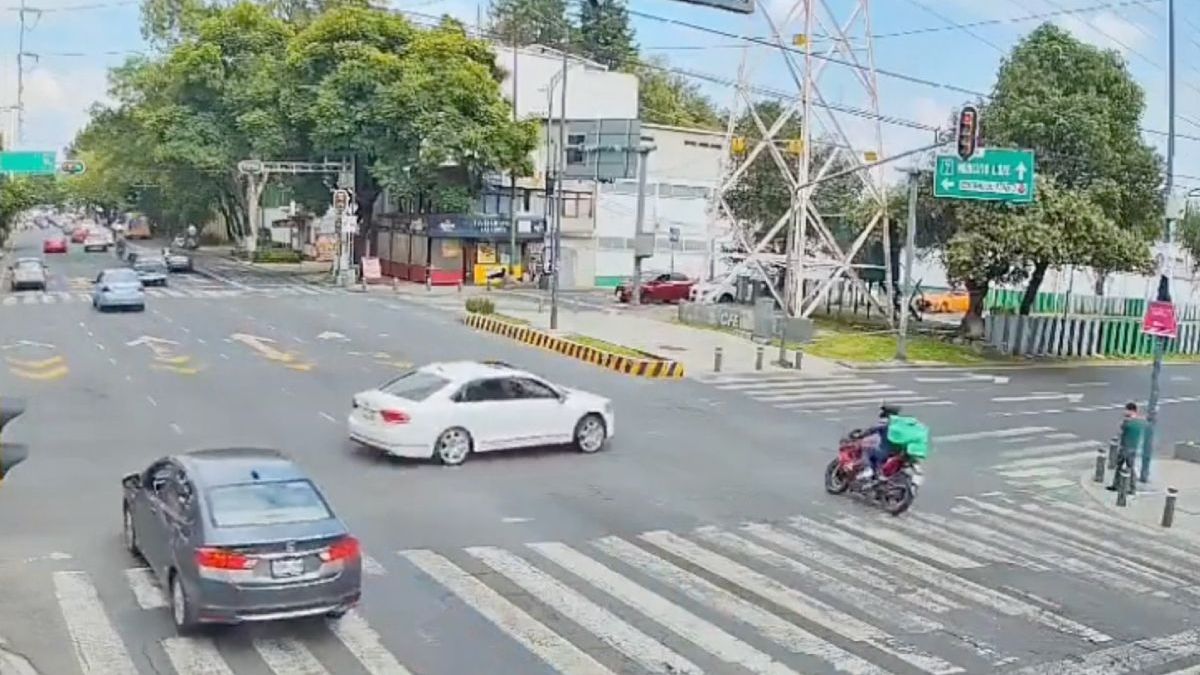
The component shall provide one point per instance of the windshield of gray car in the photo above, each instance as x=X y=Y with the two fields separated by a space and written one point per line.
x=120 y=276
x=148 y=264
x=272 y=503
x=29 y=266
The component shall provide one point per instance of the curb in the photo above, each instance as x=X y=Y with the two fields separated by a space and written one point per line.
x=648 y=368
x=1115 y=511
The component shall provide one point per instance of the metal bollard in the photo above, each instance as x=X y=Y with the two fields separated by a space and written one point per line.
x=1099 y=475
x=460 y=286
x=1122 y=488
x=1112 y=453
x=758 y=357
x=799 y=358
x=428 y=283
x=1169 y=507
x=395 y=285
x=717 y=360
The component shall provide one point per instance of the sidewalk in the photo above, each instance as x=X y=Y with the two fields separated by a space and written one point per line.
x=693 y=347
x=1146 y=506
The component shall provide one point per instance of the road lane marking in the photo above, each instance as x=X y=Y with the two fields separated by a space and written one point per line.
x=612 y=630
x=1037 y=450
x=808 y=608
x=288 y=655
x=947 y=581
x=151 y=400
x=195 y=656
x=1191 y=560
x=1130 y=658
x=1041 y=461
x=97 y=645
x=897 y=539
x=176 y=429
x=969 y=545
x=366 y=645
x=371 y=566
x=327 y=416
x=997 y=433
x=549 y=646
x=699 y=632
x=145 y=588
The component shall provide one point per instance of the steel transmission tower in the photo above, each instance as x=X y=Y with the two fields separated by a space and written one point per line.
x=816 y=47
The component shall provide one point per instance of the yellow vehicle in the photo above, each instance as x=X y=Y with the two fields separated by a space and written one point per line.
x=950 y=302
x=139 y=228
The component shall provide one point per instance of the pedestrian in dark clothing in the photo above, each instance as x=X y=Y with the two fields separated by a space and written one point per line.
x=1133 y=428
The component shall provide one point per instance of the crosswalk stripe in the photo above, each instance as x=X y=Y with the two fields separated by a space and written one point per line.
x=305 y=291
x=1045 y=554
x=145 y=588
x=63 y=296
x=30 y=299
x=154 y=292
x=914 y=546
x=83 y=297
x=1120 y=523
x=798 y=384
x=98 y=647
x=366 y=645
x=966 y=544
x=1041 y=461
x=682 y=622
x=1190 y=561
x=1129 y=658
x=288 y=656
x=949 y=582
x=537 y=638
x=750 y=379
x=649 y=653
x=880 y=580
x=10 y=300
x=195 y=656
x=1034 y=473
x=995 y=433
x=48 y=299
x=826 y=394
x=1053 y=448
x=898 y=396
x=866 y=602
x=175 y=293
x=808 y=608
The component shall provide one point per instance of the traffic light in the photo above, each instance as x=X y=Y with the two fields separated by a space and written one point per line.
x=968 y=132
x=71 y=167
x=11 y=454
x=341 y=199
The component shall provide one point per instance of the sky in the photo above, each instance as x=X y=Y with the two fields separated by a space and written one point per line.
x=925 y=66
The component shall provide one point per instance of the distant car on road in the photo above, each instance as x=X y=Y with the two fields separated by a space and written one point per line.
x=178 y=262
x=449 y=410
x=151 y=270
x=54 y=244
x=668 y=287
x=27 y=273
x=240 y=534
x=79 y=235
x=119 y=288
x=97 y=240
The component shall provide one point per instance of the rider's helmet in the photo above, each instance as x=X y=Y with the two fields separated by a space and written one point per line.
x=888 y=410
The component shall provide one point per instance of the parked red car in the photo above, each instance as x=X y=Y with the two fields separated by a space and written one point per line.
x=670 y=287
x=56 y=244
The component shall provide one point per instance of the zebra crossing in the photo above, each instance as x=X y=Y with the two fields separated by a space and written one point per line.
x=812 y=394
x=27 y=298
x=984 y=588
x=1034 y=456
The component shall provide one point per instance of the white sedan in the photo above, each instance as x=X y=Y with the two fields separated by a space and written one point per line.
x=449 y=410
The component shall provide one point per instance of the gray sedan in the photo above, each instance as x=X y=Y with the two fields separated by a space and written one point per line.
x=28 y=273
x=240 y=534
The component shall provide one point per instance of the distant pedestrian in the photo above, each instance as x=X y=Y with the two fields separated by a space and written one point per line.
x=1133 y=430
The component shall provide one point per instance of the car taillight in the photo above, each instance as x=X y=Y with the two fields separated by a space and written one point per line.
x=394 y=416
x=221 y=559
x=346 y=548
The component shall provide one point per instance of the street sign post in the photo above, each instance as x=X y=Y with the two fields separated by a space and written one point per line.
x=29 y=163
x=1160 y=320
x=992 y=174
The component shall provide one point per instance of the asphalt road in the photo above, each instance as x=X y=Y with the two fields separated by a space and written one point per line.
x=988 y=574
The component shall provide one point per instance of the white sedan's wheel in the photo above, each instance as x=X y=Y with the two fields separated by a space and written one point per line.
x=590 y=433
x=453 y=446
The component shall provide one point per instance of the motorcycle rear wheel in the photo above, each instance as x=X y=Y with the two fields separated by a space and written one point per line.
x=898 y=495
x=835 y=482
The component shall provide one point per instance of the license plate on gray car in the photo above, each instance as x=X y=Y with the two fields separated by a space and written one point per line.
x=287 y=567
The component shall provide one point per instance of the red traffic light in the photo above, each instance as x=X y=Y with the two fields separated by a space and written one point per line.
x=968 y=132
x=71 y=167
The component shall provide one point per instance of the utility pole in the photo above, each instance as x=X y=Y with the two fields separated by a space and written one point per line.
x=556 y=242
x=1164 y=279
x=513 y=258
x=22 y=9
x=639 y=227
x=910 y=243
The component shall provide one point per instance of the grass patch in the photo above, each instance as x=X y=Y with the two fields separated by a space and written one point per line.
x=606 y=346
x=509 y=319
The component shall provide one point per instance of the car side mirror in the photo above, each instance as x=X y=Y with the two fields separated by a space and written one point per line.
x=132 y=481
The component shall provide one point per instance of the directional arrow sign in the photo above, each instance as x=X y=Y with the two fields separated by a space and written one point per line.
x=263 y=346
x=992 y=174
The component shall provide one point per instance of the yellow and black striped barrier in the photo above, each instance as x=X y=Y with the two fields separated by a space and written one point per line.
x=649 y=366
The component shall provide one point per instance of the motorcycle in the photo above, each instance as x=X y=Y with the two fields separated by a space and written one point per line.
x=896 y=486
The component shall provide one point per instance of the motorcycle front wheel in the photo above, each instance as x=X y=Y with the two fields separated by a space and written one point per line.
x=835 y=482
x=898 y=495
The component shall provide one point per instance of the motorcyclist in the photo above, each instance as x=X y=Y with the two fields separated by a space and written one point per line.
x=882 y=448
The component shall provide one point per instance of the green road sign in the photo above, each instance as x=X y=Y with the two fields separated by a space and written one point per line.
x=993 y=174
x=28 y=163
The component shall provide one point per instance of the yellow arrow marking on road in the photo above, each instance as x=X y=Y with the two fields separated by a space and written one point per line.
x=164 y=356
x=263 y=346
x=36 y=365
x=55 y=373
x=182 y=370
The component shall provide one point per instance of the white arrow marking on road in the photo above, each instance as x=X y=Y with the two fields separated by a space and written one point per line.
x=1073 y=398
x=150 y=340
x=968 y=377
x=1021 y=169
x=331 y=335
x=27 y=343
x=262 y=345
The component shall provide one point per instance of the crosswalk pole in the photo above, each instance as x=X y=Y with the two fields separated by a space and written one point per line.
x=1168 y=517
x=758 y=357
x=1112 y=453
x=717 y=360
x=1100 y=462
x=1122 y=480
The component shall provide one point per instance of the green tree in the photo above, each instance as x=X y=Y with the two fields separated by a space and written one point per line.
x=527 y=22
x=102 y=186
x=605 y=35
x=665 y=97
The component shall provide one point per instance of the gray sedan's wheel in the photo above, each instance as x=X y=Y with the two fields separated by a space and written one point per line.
x=453 y=446
x=181 y=608
x=590 y=433
x=128 y=534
